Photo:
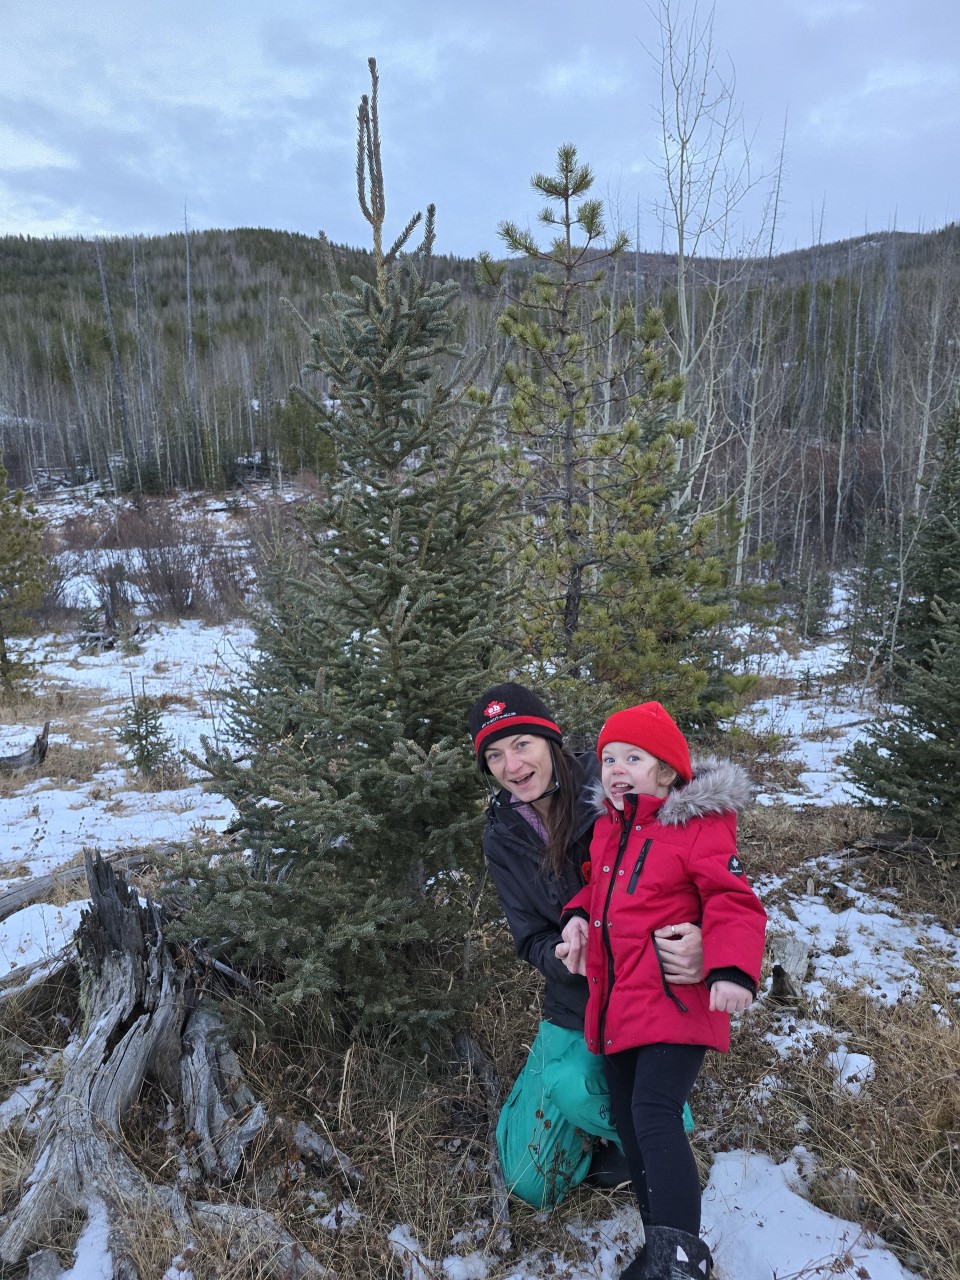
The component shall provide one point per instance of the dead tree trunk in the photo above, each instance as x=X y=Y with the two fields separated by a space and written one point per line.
x=30 y=758
x=136 y=1002
x=138 y=1024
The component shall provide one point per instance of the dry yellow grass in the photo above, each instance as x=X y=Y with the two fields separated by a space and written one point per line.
x=90 y=741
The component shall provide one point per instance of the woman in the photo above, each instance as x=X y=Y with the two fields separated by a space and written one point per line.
x=537 y=837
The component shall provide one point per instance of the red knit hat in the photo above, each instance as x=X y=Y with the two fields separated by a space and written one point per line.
x=649 y=726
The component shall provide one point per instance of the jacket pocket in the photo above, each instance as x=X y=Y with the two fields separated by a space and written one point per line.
x=641 y=859
x=667 y=989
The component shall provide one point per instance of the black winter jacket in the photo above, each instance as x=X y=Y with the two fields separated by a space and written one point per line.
x=532 y=901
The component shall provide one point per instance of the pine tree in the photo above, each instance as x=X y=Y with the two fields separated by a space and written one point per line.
x=357 y=795
x=22 y=564
x=910 y=767
x=624 y=591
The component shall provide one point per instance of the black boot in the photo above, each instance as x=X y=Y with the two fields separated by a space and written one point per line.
x=670 y=1254
x=635 y=1270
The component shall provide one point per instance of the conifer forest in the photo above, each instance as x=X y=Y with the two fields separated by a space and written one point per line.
x=814 y=380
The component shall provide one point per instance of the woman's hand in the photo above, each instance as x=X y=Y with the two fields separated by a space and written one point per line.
x=573 y=949
x=681 y=950
x=729 y=997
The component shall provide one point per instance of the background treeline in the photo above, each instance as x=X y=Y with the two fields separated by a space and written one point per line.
x=158 y=363
x=814 y=379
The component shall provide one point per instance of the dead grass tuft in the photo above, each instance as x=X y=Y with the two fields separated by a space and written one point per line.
x=776 y=839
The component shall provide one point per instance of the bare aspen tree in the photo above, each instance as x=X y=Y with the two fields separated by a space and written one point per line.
x=932 y=367
x=758 y=403
x=129 y=452
x=706 y=173
x=192 y=359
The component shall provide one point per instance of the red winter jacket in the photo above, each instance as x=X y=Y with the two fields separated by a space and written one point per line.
x=656 y=863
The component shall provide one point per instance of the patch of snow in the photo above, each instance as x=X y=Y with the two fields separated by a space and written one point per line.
x=40 y=931
x=758 y=1225
x=344 y=1215
x=853 y=1070
x=416 y=1265
x=22 y=1101
x=92 y=1259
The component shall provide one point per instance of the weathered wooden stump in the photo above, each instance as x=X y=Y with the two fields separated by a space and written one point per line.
x=140 y=1022
x=791 y=959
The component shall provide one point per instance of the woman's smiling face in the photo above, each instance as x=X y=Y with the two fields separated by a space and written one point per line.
x=522 y=765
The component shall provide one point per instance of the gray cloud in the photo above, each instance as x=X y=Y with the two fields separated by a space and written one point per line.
x=111 y=118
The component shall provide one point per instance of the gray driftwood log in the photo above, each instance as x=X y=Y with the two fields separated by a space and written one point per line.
x=140 y=1022
x=29 y=759
x=39 y=888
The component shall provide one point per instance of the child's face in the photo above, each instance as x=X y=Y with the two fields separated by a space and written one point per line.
x=625 y=768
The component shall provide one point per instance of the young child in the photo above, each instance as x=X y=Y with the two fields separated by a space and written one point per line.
x=663 y=849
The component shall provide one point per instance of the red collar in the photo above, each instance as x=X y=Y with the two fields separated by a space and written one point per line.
x=636 y=807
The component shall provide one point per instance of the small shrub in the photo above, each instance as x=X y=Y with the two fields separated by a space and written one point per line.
x=115 y=593
x=141 y=732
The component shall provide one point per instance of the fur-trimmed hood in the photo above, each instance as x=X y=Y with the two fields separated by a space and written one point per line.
x=717 y=786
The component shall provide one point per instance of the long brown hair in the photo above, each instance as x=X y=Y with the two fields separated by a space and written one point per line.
x=561 y=816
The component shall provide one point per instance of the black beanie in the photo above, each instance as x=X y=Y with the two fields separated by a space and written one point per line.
x=507 y=709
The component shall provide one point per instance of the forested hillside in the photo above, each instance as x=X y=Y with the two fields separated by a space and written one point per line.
x=814 y=379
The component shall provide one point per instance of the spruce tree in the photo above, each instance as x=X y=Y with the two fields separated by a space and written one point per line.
x=624 y=592
x=933 y=568
x=356 y=791
x=910 y=766
x=22 y=564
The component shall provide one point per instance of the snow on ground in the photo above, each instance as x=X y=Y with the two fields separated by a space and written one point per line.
x=818 y=719
x=46 y=825
x=758 y=1225
x=866 y=943
x=757 y=1219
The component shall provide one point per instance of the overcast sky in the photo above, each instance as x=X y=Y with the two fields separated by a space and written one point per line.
x=116 y=115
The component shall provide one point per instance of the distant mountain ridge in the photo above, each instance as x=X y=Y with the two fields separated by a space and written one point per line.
x=815 y=377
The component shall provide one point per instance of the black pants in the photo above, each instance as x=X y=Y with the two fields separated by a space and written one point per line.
x=648 y=1087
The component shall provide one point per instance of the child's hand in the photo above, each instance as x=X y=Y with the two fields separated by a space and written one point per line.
x=729 y=997
x=573 y=949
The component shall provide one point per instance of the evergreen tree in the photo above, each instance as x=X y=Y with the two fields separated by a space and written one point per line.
x=933 y=569
x=911 y=766
x=357 y=793
x=624 y=591
x=22 y=563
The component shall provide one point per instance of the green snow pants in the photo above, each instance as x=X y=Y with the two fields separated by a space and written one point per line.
x=559 y=1103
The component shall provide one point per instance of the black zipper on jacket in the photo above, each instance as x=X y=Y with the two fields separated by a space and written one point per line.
x=667 y=989
x=621 y=850
x=639 y=867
